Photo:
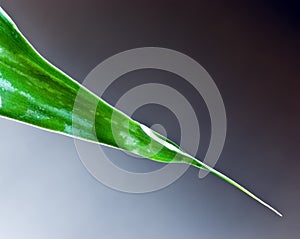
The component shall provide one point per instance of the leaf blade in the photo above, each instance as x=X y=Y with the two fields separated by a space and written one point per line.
x=35 y=92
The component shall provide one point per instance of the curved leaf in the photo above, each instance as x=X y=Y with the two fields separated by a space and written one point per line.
x=35 y=92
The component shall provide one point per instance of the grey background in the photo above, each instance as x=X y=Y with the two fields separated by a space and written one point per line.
x=250 y=49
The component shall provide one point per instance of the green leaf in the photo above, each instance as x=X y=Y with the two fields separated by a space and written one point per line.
x=35 y=92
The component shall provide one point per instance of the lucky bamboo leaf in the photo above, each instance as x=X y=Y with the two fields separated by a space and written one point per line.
x=35 y=92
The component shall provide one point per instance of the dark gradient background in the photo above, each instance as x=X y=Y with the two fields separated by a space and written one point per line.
x=250 y=48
